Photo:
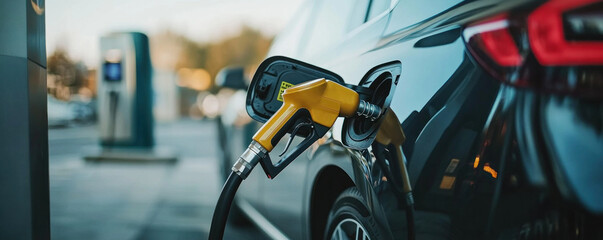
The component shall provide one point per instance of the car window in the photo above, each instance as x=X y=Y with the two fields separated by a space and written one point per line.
x=333 y=20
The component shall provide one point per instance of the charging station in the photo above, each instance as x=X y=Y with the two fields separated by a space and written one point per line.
x=125 y=101
x=125 y=91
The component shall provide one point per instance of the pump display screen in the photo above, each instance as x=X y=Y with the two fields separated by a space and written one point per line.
x=112 y=71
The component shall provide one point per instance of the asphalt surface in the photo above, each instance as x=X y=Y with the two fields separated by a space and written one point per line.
x=120 y=200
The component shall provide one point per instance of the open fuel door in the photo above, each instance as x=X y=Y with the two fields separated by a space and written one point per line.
x=275 y=75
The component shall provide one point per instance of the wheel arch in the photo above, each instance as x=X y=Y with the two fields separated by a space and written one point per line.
x=330 y=181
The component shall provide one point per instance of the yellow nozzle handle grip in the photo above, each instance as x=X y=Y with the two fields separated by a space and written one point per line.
x=273 y=125
x=325 y=101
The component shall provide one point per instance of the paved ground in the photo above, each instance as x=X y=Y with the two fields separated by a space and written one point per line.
x=137 y=201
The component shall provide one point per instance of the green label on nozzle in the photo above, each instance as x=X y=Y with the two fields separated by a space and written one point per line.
x=284 y=85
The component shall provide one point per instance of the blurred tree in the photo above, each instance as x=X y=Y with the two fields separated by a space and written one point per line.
x=246 y=49
x=172 y=51
x=66 y=77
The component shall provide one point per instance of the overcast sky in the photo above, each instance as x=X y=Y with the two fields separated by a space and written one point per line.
x=77 y=24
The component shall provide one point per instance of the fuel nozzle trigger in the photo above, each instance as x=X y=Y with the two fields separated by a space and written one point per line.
x=294 y=133
x=302 y=126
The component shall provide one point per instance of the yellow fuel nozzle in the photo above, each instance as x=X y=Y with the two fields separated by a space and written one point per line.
x=313 y=106
x=324 y=100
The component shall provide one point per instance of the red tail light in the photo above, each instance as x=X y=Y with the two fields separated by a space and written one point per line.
x=557 y=47
x=499 y=44
x=547 y=37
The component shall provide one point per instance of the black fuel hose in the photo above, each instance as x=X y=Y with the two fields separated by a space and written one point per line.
x=410 y=221
x=379 y=152
x=218 y=223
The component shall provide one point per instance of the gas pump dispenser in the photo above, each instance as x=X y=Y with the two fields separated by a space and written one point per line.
x=125 y=91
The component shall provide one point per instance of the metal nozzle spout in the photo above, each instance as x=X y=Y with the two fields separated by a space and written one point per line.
x=368 y=110
x=249 y=159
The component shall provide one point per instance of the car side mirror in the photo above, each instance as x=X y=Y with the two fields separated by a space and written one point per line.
x=231 y=77
x=275 y=75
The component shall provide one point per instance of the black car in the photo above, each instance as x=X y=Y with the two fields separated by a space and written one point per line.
x=501 y=105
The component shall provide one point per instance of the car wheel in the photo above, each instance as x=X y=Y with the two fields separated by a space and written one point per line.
x=349 y=218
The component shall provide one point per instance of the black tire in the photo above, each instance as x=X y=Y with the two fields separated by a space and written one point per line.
x=350 y=211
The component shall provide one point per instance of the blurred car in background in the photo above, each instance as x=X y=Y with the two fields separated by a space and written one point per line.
x=233 y=124
x=60 y=113
x=501 y=103
x=84 y=108
x=77 y=110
